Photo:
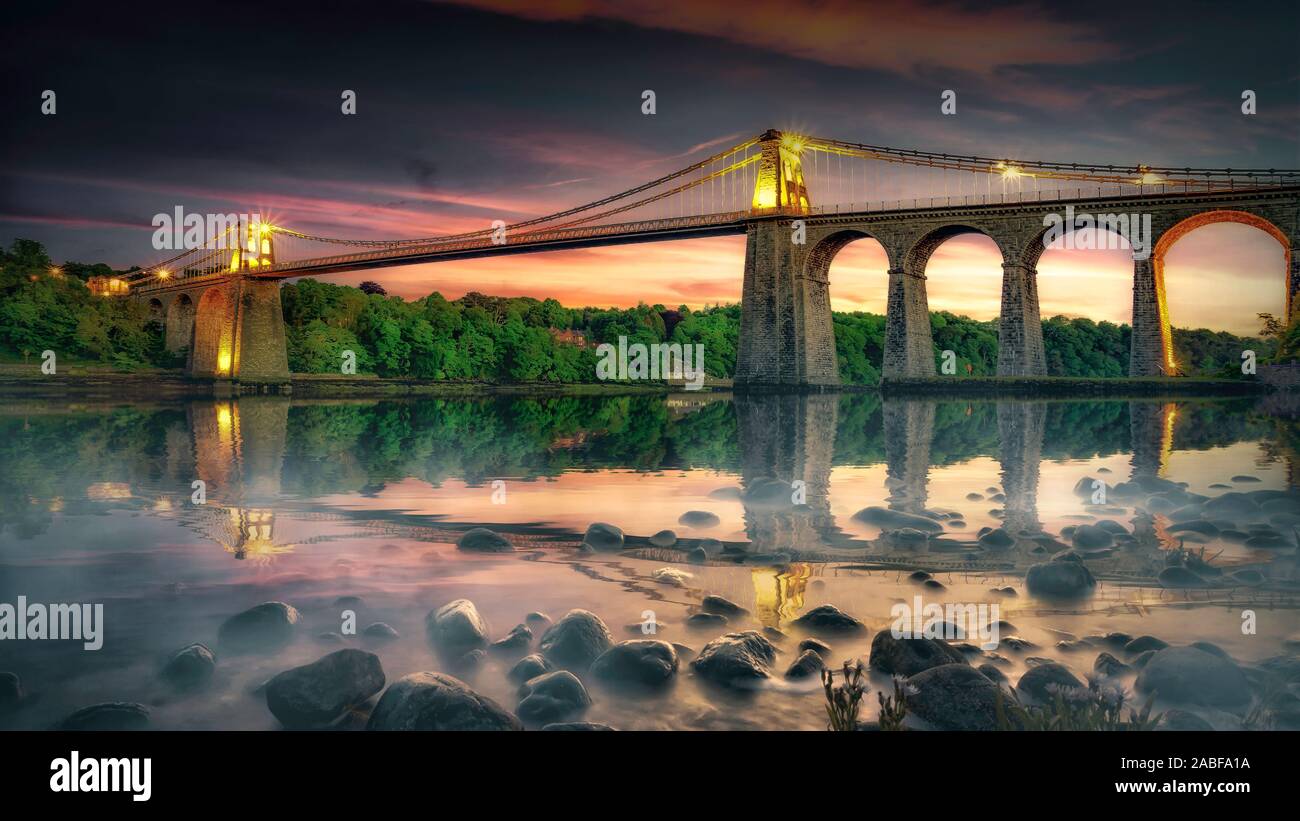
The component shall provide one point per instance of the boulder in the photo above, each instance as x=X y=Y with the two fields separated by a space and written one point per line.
x=579 y=726
x=887 y=519
x=576 y=640
x=808 y=664
x=1059 y=579
x=1177 y=577
x=519 y=637
x=829 y=619
x=954 y=697
x=818 y=646
x=1189 y=674
x=316 y=695
x=552 y=697
x=640 y=661
x=380 y=632
x=190 y=668
x=1142 y=644
x=435 y=701
x=603 y=537
x=482 y=540
x=1036 y=681
x=664 y=538
x=736 y=659
x=111 y=716
x=699 y=519
x=1108 y=665
x=456 y=628
x=530 y=666
x=907 y=657
x=267 y=626
x=721 y=606
x=11 y=691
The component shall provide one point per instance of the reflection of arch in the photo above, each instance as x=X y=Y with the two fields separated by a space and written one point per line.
x=180 y=323
x=1190 y=224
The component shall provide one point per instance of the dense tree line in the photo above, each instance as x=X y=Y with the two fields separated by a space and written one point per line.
x=498 y=339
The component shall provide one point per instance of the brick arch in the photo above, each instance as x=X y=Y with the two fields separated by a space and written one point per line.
x=156 y=312
x=1187 y=225
x=213 y=353
x=817 y=264
x=919 y=254
x=1031 y=252
x=179 y=323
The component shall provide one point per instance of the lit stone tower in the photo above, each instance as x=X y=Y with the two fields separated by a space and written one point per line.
x=780 y=173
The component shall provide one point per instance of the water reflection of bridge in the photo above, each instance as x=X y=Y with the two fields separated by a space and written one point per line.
x=787 y=445
x=791 y=438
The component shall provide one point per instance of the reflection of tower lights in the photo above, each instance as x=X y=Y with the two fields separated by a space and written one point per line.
x=254 y=535
x=778 y=594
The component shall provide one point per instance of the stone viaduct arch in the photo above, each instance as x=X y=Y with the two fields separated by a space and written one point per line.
x=786 y=338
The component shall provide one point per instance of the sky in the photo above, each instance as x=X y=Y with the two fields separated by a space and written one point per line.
x=481 y=110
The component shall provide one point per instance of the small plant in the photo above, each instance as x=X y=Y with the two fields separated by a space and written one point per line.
x=893 y=709
x=1095 y=708
x=844 y=701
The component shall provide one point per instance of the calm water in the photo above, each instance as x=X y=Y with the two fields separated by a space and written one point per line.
x=307 y=501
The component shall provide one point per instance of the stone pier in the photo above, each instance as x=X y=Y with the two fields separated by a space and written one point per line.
x=1020 y=329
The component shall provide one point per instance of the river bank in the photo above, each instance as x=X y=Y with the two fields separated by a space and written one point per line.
x=105 y=382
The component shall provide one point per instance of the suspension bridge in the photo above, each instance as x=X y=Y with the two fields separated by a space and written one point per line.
x=798 y=200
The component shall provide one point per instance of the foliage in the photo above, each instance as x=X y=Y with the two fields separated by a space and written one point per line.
x=844 y=701
x=47 y=308
x=1075 y=708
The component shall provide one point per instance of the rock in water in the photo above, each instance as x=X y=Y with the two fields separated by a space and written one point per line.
x=736 y=659
x=604 y=537
x=664 y=538
x=530 y=666
x=699 y=519
x=829 y=619
x=191 y=667
x=1180 y=578
x=380 y=632
x=267 y=626
x=552 y=697
x=1188 y=674
x=111 y=716
x=1142 y=644
x=1092 y=537
x=11 y=691
x=1059 y=579
x=808 y=664
x=434 y=701
x=456 y=628
x=318 y=694
x=641 y=661
x=576 y=640
x=885 y=518
x=517 y=639
x=818 y=646
x=954 y=697
x=722 y=606
x=1035 y=682
x=1108 y=665
x=578 y=726
x=482 y=540
x=907 y=657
